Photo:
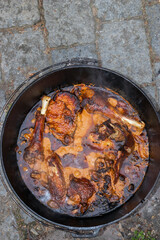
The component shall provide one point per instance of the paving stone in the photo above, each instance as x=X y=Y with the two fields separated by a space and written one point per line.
x=3 y=191
x=2 y=99
x=150 y=90
x=123 y=47
x=152 y=1
x=57 y=234
x=18 y=13
x=153 y=14
x=157 y=77
x=27 y=219
x=8 y=226
x=111 y=232
x=145 y=218
x=87 y=51
x=151 y=210
x=157 y=71
x=22 y=54
x=136 y=223
x=69 y=22
x=113 y=9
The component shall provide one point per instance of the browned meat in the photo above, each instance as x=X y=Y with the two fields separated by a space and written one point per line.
x=118 y=132
x=82 y=91
x=56 y=180
x=110 y=136
x=84 y=188
x=61 y=116
x=35 y=149
x=98 y=103
x=125 y=152
x=106 y=136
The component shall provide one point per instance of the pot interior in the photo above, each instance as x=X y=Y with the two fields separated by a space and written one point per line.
x=66 y=77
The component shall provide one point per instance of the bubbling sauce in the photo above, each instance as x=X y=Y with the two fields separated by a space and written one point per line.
x=95 y=151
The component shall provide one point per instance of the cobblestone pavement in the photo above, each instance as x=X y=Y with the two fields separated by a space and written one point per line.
x=124 y=35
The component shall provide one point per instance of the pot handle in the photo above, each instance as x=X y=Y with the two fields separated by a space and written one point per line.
x=85 y=61
x=88 y=234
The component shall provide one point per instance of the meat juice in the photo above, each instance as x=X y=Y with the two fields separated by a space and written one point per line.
x=95 y=151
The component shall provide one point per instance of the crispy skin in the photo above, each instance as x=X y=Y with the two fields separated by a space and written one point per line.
x=84 y=188
x=61 y=116
x=56 y=180
x=34 y=152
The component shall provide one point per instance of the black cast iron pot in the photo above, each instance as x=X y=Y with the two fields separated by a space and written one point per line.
x=45 y=82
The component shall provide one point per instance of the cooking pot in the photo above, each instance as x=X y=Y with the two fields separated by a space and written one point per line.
x=29 y=93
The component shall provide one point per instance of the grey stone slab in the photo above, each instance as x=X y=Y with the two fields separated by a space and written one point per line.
x=22 y=53
x=123 y=47
x=157 y=71
x=2 y=99
x=69 y=22
x=151 y=92
x=57 y=234
x=111 y=232
x=26 y=218
x=153 y=14
x=8 y=225
x=18 y=13
x=113 y=9
x=152 y=1
x=3 y=191
x=145 y=218
x=2 y=94
x=87 y=51
x=151 y=210
x=157 y=77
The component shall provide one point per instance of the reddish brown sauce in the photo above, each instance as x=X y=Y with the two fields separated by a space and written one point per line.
x=95 y=140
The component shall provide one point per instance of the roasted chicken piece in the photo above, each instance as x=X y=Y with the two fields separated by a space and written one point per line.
x=98 y=103
x=61 y=116
x=83 y=188
x=126 y=150
x=34 y=152
x=56 y=180
x=110 y=136
x=106 y=136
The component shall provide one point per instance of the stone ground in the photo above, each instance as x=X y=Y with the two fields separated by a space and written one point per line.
x=123 y=35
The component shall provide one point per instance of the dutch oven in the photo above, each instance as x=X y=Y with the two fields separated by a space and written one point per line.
x=46 y=81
